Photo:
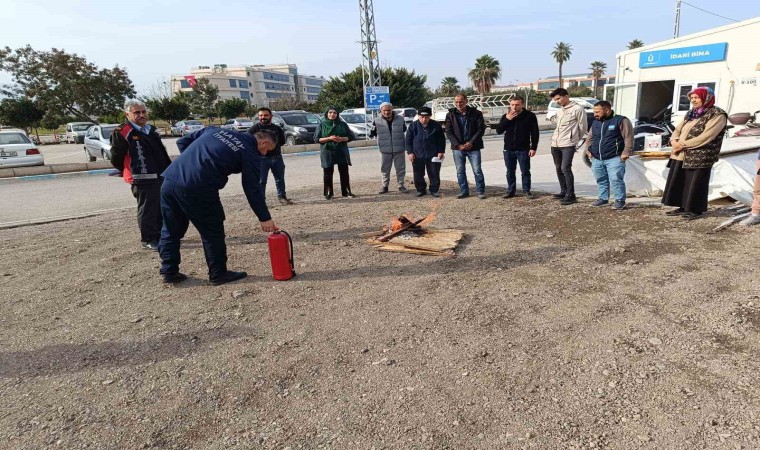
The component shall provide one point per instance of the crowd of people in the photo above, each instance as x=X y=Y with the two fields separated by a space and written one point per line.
x=172 y=194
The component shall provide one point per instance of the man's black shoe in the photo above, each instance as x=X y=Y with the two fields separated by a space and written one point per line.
x=175 y=278
x=508 y=195
x=569 y=200
x=228 y=277
x=420 y=194
x=529 y=195
x=559 y=196
x=153 y=246
x=463 y=195
x=383 y=190
x=435 y=194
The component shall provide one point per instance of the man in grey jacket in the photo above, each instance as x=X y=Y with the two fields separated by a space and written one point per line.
x=389 y=129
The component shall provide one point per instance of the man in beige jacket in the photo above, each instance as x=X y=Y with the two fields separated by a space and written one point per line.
x=572 y=124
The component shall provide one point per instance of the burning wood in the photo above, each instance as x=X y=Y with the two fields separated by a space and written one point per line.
x=413 y=236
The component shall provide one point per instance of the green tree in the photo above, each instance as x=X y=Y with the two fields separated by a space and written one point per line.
x=204 y=98
x=449 y=87
x=288 y=104
x=21 y=113
x=561 y=55
x=636 y=43
x=251 y=111
x=485 y=73
x=580 y=91
x=597 y=69
x=347 y=90
x=169 y=109
x=231 y=107
x=65 y=84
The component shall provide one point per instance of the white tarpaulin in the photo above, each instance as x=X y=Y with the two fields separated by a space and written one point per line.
x=732 y=176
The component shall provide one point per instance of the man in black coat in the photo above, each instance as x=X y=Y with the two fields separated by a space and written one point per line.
x=520 y=128
x=272 y=160
x=425 y=147
x=465 y=128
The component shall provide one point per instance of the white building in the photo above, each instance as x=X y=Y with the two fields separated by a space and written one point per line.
x=259 y=84
x=657 y=75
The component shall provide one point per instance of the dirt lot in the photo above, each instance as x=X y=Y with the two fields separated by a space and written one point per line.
x=551 y=328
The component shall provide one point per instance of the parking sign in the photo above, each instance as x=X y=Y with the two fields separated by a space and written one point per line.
x=374 y=96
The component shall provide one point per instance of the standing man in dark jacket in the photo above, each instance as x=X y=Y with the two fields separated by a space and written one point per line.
x=609 y=145
x=190 y=194
x=272 y=160
x=389 y=129
x=138 y=153
x=425 y=145
x=520 y=128
x=464 y=128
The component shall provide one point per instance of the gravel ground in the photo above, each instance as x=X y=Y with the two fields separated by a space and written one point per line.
x=552 y=328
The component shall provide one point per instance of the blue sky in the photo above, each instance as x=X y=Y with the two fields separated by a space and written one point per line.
x=154 y=39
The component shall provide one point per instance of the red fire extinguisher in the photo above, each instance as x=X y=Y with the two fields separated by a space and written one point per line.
x=281 y=255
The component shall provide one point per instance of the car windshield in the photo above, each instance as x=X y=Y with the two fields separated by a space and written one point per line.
x=192 y=122
x=299 y=119
x=81 y=127
x=106 y=132
x=245 y=122
x=13 y=138
x=353 y=118
x=313 y=118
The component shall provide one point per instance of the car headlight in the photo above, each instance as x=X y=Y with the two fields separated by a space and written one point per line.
x=301 y=129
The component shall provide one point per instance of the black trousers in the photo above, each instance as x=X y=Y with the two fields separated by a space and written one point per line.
x=563 y=162
x=149 y=219
x=687 y=188
x=419 y=166
x=345 y=185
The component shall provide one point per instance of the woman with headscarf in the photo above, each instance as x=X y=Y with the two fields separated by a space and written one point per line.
x=333 y=135
x=696 y=144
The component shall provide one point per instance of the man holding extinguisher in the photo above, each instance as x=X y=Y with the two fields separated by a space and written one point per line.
x=190 y=194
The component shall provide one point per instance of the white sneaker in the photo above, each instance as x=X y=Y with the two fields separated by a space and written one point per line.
x=751 y=220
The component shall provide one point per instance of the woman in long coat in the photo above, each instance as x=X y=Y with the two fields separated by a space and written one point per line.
x=696 y=144
x=333 y=136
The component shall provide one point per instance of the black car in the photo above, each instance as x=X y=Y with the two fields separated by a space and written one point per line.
x=299 y=126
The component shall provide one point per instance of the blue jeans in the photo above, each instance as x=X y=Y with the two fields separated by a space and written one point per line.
x=278 y=172
x=511 y=158
x=459 y=162
x=609 y=172
x=179 y=208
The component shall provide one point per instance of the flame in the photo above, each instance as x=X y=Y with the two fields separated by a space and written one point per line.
x=429 y=219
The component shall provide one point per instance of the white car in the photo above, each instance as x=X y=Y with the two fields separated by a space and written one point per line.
x=75 y=131
x=17 y=150
x=239 y=124
x=97 y=142
x=586 y=102
x=407 y=113
x=184 y=127
x=358 y=124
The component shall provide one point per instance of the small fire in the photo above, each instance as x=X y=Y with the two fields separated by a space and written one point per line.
x=398 y=222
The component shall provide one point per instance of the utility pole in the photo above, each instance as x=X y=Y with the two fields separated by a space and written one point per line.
x=370 y=58
x=677 y=27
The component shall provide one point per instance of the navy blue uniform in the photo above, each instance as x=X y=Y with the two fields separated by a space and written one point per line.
x=190 y=193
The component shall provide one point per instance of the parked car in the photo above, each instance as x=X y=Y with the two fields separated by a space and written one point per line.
x=586 y=102
x=239 y=124
x=184 y=127
x=17 y=150
x=407 y=113
x=299 y=126
x=358 y=124
x=97 y=142
x=75 y=131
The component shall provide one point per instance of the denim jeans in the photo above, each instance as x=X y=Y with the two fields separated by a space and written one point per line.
x=459 y=162
x=277 y=165
x=511 y=158
x=609 y=172
x=563 y=163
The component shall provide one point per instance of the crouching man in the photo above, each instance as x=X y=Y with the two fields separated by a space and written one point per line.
x=190 y=194
x=426 y=140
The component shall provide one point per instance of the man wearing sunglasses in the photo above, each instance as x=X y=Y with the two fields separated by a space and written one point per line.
x=138 y=153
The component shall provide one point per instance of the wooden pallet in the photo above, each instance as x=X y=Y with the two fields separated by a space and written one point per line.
x=433 y=241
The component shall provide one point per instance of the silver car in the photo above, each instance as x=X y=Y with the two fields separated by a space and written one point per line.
x=239 y=124
x=357 y=123
x=184 y=127
x=17 y=150
x=97 y=142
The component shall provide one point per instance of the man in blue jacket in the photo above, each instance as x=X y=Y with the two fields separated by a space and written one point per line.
x=190 y=194
x=609 y=145
x=425 y=140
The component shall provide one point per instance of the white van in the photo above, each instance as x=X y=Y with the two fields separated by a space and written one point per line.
x=75 y=131
x=586 y=102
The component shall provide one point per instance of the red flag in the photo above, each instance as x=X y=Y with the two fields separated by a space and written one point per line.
x=191 y=80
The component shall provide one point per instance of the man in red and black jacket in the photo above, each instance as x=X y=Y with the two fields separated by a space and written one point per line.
x=137 y=151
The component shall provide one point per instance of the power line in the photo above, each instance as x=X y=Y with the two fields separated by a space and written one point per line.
x=708 y=12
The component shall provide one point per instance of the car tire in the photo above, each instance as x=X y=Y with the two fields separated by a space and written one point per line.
x=105 y=157
x=290 y=140
x=89 y=157
x=553 y=119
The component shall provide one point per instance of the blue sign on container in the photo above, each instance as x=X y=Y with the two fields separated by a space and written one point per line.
x=374 y=96
x=683 y=55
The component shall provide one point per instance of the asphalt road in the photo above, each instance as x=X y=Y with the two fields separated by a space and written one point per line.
x=33 y=199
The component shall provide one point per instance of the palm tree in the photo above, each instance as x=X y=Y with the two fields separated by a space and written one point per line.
x=636 y=43
x=561 y=54
x=449 y=87
x=597 y=71
x=486 y=71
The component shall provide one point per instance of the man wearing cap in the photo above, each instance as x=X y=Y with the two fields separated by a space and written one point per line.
x=425 y=145
x=389 y=129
